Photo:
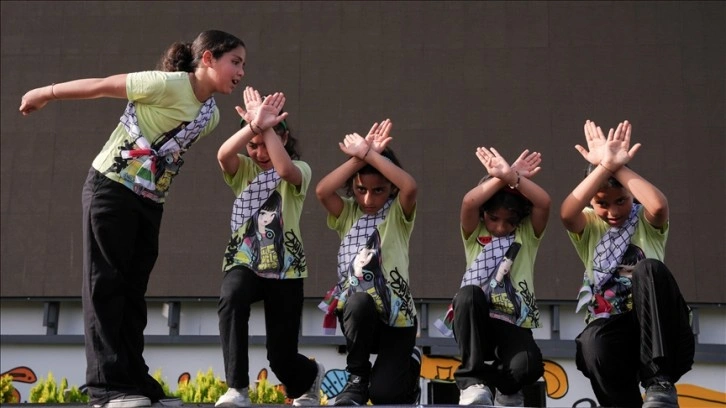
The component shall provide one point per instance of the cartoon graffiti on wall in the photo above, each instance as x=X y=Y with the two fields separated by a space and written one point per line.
x=21 y=375
x=555 y=376
x=442 y=368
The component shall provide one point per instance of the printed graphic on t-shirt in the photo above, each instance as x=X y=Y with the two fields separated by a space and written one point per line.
x=365 y=274
x=616 y=296
x=505 y=301
x=262 y=245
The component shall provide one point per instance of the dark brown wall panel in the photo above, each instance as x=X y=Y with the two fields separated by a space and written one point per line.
x=451 y=75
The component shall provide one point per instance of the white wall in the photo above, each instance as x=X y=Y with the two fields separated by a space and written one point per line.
x=199 y=318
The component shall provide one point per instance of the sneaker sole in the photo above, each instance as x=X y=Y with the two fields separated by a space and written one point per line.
x=659 y=405
x=135 y=403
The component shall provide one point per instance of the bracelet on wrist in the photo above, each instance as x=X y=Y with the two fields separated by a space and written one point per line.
x=516 y=184
x=52 y=92
x=252 y=128
x=608 y=170
x=367 y=151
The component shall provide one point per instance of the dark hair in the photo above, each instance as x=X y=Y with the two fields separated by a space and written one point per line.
x=610 y=182
x=368 y=169
x=509 y=199
x=281 y=129
x=185 y=57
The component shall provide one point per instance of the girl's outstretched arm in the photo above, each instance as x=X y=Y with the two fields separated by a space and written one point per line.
x=90 y=88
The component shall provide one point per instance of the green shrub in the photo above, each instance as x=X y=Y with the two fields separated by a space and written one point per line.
x=265 y=393
x=7 y=390
x=47 y=391
x=164 y=386
x=205 y=388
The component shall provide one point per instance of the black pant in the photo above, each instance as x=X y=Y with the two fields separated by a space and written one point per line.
x=395 y=374
x=516 y=358
x=283 y=302
x=120 y=246
x=655 y=338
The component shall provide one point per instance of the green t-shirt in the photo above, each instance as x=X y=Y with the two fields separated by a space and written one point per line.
x=394 y=234
x=647 y=242
x=163 y=101
x=277 y=252
x=517 y=301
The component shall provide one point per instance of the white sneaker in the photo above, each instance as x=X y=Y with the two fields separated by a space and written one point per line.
x=126 y=401
x=312 y=397
x=511 y=400
x=234 y=397
x=477 y=394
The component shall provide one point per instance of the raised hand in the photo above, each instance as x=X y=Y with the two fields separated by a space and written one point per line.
x=595 y=143
x=252 y=100
x=355 y=145
x=617 y=151
x=527 y=164
x=378 y=137
x=267 y=114
x=494 y=163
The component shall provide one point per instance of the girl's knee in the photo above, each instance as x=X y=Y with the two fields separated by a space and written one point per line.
x=279 y=361
x=468 y=294
x=591 y=349
x=360 y=303
x=527 y=367
x=650 y=267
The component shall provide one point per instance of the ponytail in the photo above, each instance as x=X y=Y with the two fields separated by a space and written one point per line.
x=186 y=56
x=178 y=57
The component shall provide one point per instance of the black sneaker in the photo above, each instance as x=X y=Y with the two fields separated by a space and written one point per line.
x=354 y=393
x=661 y=394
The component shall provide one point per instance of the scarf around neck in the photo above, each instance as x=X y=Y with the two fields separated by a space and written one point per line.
x=609 y=253
x=154 y=158
x=253 y=197
x=480 y=273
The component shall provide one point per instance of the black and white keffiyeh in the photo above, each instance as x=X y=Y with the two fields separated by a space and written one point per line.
x=479 y=273
x=609 y=253
x=253 y=197
x=357 y=237
x=179 y=143
x=487 y=262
